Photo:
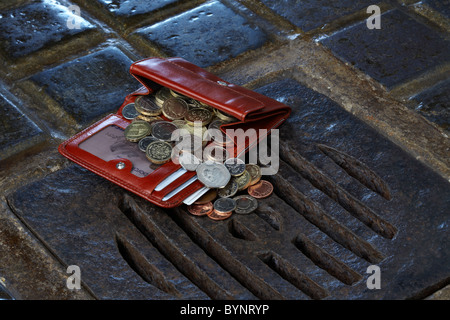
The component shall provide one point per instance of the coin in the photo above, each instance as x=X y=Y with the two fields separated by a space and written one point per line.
x=196 y=130
x=245 y=204
x=243 y=180
x=137 y=130
x=198 y=115
x=213 y=174
x=144 y=142
x=216 y=153
x=188 y=161
x=224 y=205
x=207 y=197
x=129 y=111
x=216 y=134
x=179 y=123
x=177 y=94
x=159 y=152
x=261 y=190
x=214 y=215
x=149 y=119
x=224 y=116
x=255 y=173
x=200 y=209
x=175 y=108
x=163 y=130
x=189 y=143
x=147 y=105
x=235 y=165
x=229 y=190
x=162 y=95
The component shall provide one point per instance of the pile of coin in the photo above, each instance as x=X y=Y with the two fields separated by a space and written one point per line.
x=234 y=186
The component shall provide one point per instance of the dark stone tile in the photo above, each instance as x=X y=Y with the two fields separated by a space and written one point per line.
x=129 y=249
x=311 y=14
x=402 y=49
x=90 y=86
x=29 y=28
x=434 y=104
x=17 y=131
x=129 y=8
x=206 y=35
x=442 y=6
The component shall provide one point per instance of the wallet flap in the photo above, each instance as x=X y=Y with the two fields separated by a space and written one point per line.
x=190 y=80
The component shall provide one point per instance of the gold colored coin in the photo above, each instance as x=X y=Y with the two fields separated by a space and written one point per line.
x=224 y=116
x=229 y=190
x=159 y=152
x=198 y=115
x=179 y=123
x=176 y=94
x=243 y=180
x=147 y=105
x=162 y=95
x=149 y=119
x=137 y=130
x=209 y=196
x=255 y=173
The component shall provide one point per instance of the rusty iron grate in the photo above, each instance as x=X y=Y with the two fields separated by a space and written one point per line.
x=345 y=198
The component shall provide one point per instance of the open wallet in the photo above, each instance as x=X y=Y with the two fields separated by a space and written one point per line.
x=103 y=149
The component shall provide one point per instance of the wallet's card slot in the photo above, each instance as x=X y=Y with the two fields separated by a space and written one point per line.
x=180 y=188
x=174 y=176
x=174 y=184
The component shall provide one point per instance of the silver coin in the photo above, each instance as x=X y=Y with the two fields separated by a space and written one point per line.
x=225 y=205
x=245 y=204
x=213 y=174
x=163 y=130
x=235 y=165
x=188 y=161
x=129 y=111
x=144 y=142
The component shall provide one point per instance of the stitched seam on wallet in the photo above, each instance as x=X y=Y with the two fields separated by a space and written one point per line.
x=104 y=173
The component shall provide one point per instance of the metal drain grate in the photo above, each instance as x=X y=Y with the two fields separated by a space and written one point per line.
x=346 y=198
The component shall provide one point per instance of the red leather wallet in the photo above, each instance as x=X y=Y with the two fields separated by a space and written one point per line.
x=98 y=148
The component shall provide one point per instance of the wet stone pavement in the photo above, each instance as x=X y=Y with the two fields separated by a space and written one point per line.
x=364 y=158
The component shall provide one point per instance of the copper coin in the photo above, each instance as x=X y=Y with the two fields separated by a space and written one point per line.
x=215 y=215
x=261 y=190
x=201 y=209
x=207 y=197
